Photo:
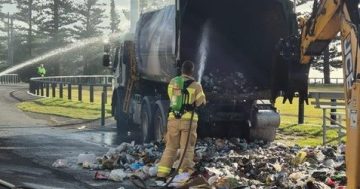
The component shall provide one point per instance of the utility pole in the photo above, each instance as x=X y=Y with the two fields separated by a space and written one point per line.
x=134 y=14
x=8 y=38
x=11 y=41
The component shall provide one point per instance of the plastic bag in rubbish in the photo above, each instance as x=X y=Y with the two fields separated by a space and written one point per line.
x=180 y=179
x=117 y=175
x=60 y=163
x=101 y=175
x=90 y=158
x=136 y=166
x=153 y=171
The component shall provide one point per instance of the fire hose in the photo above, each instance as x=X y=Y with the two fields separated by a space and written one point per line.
x=143 y=184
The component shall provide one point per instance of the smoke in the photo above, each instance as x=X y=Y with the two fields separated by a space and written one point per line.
x=203 y=49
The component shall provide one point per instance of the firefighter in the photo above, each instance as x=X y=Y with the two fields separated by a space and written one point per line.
x=183 y=91
x=41 y=70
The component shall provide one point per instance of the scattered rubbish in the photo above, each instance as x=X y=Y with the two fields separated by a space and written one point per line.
x=60 y=163
x=117 y=175
x=88 y=165
x=229 y=163
x=136 y=166
x=180 y=180
x=82 y=127
x=300 y=157
x=152 y=171
x=101 y=175
x=89 y=158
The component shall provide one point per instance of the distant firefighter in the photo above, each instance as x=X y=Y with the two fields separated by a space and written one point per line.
x=41 y=71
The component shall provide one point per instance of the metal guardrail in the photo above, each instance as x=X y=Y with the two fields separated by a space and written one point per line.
x=9 y=79
x=41 y=85
x=331 y=119
x=319 y=80
x=94 y=80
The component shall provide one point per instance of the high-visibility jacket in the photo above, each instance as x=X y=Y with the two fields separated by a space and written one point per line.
x=41 y=71
x=196 y=96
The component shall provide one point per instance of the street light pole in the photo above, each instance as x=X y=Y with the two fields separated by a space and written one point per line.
x=10 y=40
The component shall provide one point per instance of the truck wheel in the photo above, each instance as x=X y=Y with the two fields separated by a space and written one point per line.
x=146 y=122
x=266 y=134
x=121 y=118
x=159 y=125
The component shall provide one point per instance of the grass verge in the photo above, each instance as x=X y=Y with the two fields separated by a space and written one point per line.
x=65 y=108
x=308 y=134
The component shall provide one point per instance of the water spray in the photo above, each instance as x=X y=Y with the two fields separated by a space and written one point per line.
x=203 y=50
x=68 y=48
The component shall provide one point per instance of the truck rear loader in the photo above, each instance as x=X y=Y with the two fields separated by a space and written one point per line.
x=235 y=46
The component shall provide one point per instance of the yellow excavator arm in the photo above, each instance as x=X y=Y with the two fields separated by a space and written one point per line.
x=328 y=19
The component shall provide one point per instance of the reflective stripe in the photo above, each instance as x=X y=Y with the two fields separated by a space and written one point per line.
x=200 y=95
x=163 y=169
x=191 y=93
x=186 y=116
x=170 y=90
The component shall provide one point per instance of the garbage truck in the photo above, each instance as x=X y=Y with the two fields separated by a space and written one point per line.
x=239 y=60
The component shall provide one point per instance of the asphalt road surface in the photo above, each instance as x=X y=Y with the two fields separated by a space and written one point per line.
x=30 y=143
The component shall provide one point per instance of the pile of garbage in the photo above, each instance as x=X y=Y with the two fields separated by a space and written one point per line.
x=227 y=83
x=232 y=163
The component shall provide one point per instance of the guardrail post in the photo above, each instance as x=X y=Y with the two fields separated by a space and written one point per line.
x=91 y=93
x=47 y=89
x=333 y=117
x=103 y=97
x=37 y=85
x=301 y=112
x=61 y=87
x=53 y=88
x=41 y=88
x=31 y=87
x=80 y=92
x=105 y=91
x=69 y=91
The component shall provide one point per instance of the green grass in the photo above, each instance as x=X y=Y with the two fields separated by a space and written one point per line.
x=307 y=134
x=65 y=108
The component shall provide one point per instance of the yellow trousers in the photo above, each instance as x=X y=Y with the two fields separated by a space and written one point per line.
x=176 y=136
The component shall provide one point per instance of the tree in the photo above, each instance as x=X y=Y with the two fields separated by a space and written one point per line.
x=54 y=18
x=331 y=58
x=26 y=12
x=53 y=23
x=91 y=15
x=114 y=18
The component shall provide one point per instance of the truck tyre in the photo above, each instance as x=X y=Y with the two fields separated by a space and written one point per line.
x=122 y=121
x=146 y=125
x=159 y=125
x=266 y=134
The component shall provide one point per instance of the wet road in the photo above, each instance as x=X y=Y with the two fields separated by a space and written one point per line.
x=30 y=143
